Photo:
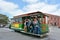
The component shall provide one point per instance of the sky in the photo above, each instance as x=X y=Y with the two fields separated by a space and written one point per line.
x=18 y=7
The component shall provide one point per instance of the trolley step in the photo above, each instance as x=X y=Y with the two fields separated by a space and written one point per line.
x=38 y=35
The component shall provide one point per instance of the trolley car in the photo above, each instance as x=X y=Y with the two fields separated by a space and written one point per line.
x=19 y=24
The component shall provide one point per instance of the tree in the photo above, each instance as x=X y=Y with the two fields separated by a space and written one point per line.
x=3 y=19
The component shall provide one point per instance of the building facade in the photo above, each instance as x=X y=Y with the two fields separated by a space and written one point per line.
x=54 y=20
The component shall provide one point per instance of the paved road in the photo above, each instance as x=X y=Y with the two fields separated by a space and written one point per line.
x=7 y=34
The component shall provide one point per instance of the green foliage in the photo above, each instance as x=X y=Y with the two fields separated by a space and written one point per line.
x=3 y=19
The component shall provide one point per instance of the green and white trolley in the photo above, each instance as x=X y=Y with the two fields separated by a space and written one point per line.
x=18 y=23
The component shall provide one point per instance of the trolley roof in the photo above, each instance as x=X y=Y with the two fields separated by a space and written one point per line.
x=30 y=14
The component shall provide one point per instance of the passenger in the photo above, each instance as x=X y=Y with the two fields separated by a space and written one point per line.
x=27 y=24
x=25 y=28
x=36 y=26
x=32 y=27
